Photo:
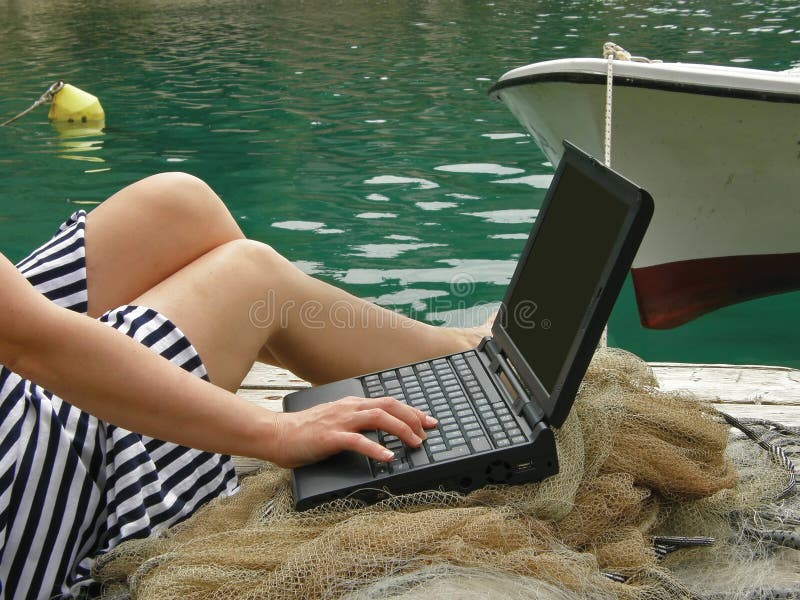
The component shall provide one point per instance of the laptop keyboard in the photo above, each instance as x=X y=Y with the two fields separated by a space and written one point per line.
x=465 y=427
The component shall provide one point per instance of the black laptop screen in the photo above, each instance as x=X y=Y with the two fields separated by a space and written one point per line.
x=561 y=274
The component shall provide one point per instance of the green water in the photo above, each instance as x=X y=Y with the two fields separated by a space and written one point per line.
x=356 y=137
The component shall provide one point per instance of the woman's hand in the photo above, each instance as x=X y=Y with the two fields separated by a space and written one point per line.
x=310 y=435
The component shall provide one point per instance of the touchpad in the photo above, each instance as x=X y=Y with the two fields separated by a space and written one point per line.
x=339 y=471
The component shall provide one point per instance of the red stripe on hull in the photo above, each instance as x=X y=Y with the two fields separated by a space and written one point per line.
x=674 y=293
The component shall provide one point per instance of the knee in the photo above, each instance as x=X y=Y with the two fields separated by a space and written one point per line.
x=180 y=198
x=262 y=259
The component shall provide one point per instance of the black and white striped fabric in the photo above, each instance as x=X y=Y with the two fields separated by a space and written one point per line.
x=71 y=486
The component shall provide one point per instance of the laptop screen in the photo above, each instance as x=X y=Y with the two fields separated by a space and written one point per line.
x=559 y=279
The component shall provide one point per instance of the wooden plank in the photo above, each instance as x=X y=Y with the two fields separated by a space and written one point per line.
x=787 y=415
x=728 y=383
x=784 y=414
x=267 y=376
x=723 y=383
x=739 y=384
x=272 y=399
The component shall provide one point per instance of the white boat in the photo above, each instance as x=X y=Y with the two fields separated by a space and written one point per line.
x=717 y=147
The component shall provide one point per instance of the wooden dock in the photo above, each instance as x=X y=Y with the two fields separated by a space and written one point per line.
x=771 y=393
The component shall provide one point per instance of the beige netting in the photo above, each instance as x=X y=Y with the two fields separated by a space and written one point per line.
x=635 y=462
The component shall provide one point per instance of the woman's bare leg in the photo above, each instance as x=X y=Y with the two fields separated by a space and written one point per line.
x=149 y=230
x=149 y=243
x=146 y=232
x=242 y=297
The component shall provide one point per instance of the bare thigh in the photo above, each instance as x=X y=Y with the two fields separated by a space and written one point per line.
x=148 y=231
x=211 y=300
x=243 y=299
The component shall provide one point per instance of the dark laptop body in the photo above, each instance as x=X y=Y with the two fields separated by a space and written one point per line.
x=497 y=404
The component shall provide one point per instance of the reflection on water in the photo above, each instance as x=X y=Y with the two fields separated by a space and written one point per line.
x=79 y=141
x=487 y=168
x=435 y=205
x=495 y=272
x=389 y=250
x=355 y=137
x=422 y=184
x=507 y=216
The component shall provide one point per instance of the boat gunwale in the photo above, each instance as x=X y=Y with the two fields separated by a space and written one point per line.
x=636 y=82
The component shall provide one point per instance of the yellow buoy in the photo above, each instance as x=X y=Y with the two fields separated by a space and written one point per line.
x=73 y=105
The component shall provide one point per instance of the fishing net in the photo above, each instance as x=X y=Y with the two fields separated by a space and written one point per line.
x=656 y=498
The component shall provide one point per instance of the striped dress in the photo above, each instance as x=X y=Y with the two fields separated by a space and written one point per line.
x=72 y=486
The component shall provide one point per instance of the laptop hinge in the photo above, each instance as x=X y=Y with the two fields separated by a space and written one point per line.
x=523 y=405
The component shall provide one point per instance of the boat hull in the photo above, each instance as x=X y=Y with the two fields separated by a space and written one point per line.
x=722 y=164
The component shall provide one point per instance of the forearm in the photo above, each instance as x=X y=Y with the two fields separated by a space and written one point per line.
x=113 y=377
x=106 y=373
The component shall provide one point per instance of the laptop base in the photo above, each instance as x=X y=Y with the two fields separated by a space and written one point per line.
x=348 y=474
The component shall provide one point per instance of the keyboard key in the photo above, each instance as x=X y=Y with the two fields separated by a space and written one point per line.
x=452 y=453
x=480 y=444
x=418 y=456
x=399 y=467
x=469 y=421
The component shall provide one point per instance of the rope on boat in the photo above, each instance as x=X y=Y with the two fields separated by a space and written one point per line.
x=46 y=97
x=612 y=52
x=609 y=52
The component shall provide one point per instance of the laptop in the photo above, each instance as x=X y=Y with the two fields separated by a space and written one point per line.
x=497 y=405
